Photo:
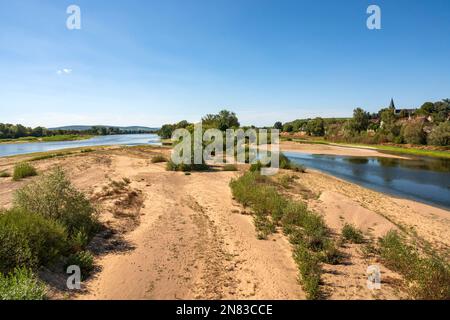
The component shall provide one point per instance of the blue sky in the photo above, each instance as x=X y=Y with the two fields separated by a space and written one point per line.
x=152 y=62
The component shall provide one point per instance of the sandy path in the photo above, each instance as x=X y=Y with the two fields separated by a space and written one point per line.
x=193 y=244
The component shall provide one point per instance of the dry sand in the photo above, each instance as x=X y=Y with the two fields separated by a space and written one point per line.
x=334 y=150
x=183 y=237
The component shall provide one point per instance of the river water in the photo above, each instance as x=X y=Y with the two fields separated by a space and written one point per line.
x=422 y=179
x=125 y=139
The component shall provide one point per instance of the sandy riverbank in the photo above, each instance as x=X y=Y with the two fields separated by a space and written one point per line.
x=185 y=238
x=334 y=150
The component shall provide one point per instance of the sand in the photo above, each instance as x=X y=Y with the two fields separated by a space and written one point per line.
x=334 y=150
x=184 y=237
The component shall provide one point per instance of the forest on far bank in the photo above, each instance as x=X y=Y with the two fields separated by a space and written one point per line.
x=427 y=125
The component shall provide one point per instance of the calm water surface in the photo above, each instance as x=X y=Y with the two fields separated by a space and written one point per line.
x=125 y=139
x=422 y=179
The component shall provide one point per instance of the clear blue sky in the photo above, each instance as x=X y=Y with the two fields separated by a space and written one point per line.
x=152 y=62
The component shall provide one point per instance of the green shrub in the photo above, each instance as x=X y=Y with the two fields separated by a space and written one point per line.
x=256 y=167
x=264 y=226
x=4 y=174
x=293 y=214
x=245 y=189
x=397 y=255
x=316 y=232
x=270 y=203
x=298 y=168
x=79 y=241
x=21 y=284
x=352 y=234
x=430 y=276
x=285 y=163
x=54 y=197
x=159 y=158
x=412 y=133
x=84 y=260
x=171 y=166
x=23 y=170
x=29 y=240
x=230 y=167
x=330 y=253
x=310 y=271
x=440 y=136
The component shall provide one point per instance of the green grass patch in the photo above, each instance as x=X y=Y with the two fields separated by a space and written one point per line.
x=414 y=151
x=84 y=260
x=29 y=240
x=23 y=170
x=54 y=197
x=230 y=167
x=171 y=166
x=306 y=230
x=66 y=137
x=429 y=276
x=351 y=234
x=158 y=159
x=4 y=174
x=21 y=284
x=310 y=271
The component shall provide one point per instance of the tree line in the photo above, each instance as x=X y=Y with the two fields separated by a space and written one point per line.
x=223 y=120
x=429 y=124
x=15 y=131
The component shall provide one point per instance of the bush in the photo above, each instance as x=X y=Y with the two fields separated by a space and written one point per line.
x=21 y=284
x=4 y=174
x=293 y=214
x=430 y=276
x=310 y=271
x=23 y=170
x=171 y=166
x=413 y=133
x=440 y=136
x=54 y=197
x=264 y=226
x=29 y=240
x=352 y=234
x=256 y=167
x=84 y=260
x=159 y=158
x=230 y=167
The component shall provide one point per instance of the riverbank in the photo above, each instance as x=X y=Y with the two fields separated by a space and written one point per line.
x=331 y=149
x=56 y=138
x=386 y=149
x=185 y=237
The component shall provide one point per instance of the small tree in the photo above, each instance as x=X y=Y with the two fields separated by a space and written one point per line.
x=413 y=133
x=360 y=121
x=316 y=127
x=440 y=136
x=278 y=125
x=287 y=127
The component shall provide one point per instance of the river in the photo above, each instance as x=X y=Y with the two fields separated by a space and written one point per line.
x=422 y=179
x=124 y=139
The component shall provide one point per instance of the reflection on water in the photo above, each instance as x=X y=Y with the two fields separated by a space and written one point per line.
x=422 y=179
x=123 y=139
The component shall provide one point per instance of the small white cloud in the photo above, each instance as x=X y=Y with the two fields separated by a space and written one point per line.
x=64 y=71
